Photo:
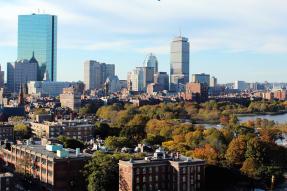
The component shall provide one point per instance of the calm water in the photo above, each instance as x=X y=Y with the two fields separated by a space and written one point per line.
x=281 y=118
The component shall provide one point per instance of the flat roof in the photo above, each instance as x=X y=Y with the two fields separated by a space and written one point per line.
x=181 y=160
x=42 y=150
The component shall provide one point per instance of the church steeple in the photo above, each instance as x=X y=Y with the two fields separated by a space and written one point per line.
x=21 y=96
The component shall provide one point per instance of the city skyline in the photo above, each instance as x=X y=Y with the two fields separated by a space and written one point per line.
x=243 y=43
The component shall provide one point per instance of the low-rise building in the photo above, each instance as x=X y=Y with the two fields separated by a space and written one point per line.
x=76 y=129
x=51 y=166
x=162 y=172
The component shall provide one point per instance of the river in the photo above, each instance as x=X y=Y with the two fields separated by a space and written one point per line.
x=280 y=118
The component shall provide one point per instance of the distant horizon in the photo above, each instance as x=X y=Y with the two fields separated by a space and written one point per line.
x=238 y=40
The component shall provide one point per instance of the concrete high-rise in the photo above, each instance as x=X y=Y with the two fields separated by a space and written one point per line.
x=38 y=33
x=96 y=74
x=179 y=63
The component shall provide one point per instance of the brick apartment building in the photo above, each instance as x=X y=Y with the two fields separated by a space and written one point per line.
x=51 y=166
x=162 y=172
x=6 y=132
x=76 y=129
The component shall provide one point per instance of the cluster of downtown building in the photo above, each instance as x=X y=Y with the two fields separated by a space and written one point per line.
x=34 y=74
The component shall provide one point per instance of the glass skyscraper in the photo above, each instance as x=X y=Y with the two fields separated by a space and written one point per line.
x=37 y=33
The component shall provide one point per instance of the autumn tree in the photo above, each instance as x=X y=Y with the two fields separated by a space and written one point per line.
x=208 y=153
x=235 y=153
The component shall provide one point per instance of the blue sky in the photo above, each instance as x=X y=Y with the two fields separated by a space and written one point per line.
x=232 y=40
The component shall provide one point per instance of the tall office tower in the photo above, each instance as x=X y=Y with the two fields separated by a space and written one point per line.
x=201 y=78
x=38 y=33
x=152 y=62
x=162 y=79
x=140 y=78
x=96 y=74
x=136 y=79
x=179 y=63
x=1 y=78
x=213 y=82
x=21 y=72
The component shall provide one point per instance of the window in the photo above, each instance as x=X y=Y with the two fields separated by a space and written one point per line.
x=138 y=179
x=144 y=187
x=144 y=179
x=156 y=169
x=183 y=179
x=150 y=178
x=156 y=186
x=44 y=171
x=183 y=170
x=138 y=188
x=150 y=186
x=138 y=171
x=150 y=170
x=198 y=177
x=156 y=178
x=49 y=173
x=144 y=170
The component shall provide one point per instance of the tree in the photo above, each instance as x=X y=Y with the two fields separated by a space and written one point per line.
x=22 y=131
x=251 y=168
x=235 y=154
x=116 y=143
x=207 y=152
x=102 y=130
x=71 y=143
x=102 y=173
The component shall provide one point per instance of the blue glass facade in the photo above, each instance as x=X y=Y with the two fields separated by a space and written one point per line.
x=38 y=33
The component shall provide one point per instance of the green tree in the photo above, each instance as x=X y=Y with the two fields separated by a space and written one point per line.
x=71 y=143
x=22 y=131
x=102 y=173
x=116 y=143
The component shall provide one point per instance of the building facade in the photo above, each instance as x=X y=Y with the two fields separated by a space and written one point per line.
x=70 y=98
x=213 y=82
x=162 y=79
x=47 y=88
x=75 y=129
x=21 y=72
x=38 y=33
x=7 y=182
x=240 y=85
x=51 y=166
x=6 y=132
x=162 y=173
x=1 y=78
x=201 y=78
x=196 y=92
x=179 y=63
x=96 y=74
